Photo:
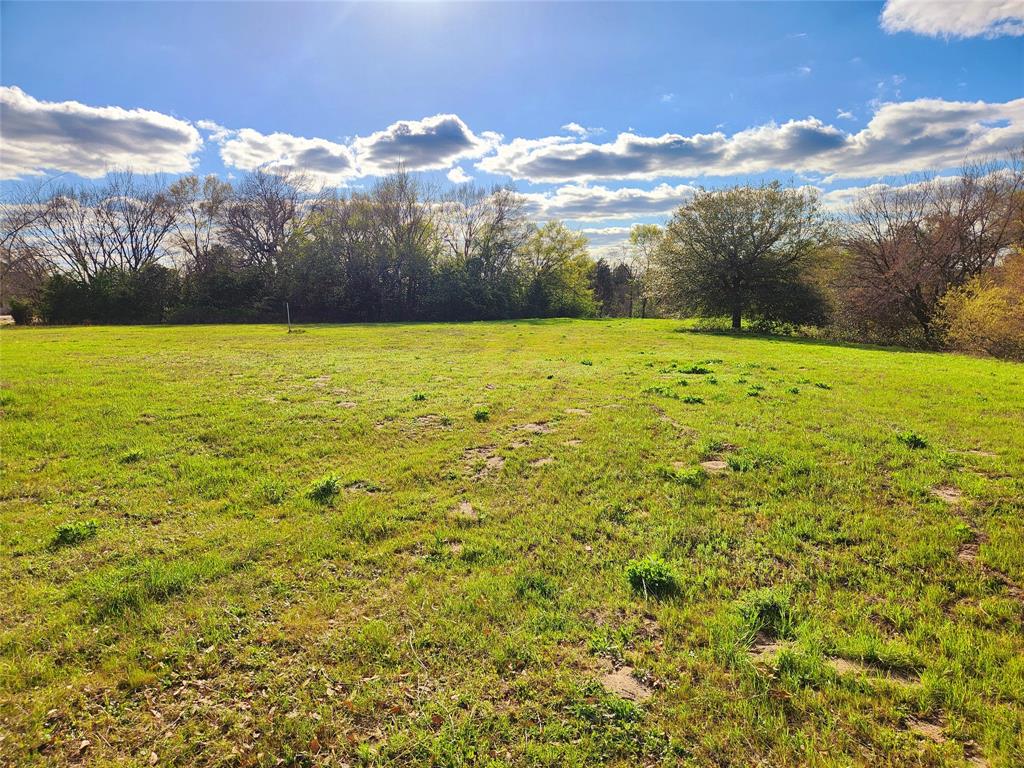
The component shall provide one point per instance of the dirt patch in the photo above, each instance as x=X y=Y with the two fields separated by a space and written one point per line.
x=542 y=461
x=320 y=381
x=465 y=512
x=362 y=486
x=430 y=420
x=484 y=460
x=980 y=452
x=537 y=428
x=518 y=444
x=947 y=493
x=715 y=466
x=930 y=731
x=346 y=404
x=764 y=648
x=968 y=554
x=573 y=443
x=621 y=682
x=848 y=667
x=577 y=411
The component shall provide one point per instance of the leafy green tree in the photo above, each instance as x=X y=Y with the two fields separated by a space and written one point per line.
x=744 y=251
x=558 y=269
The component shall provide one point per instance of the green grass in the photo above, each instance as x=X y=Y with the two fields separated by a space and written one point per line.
x=230 y=545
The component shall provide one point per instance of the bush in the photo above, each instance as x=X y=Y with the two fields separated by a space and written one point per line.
x=652 y=576
x=986 y=315
x=22 y=312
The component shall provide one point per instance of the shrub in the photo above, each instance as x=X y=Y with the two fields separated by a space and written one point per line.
x=986 y=315
x=652 y=576
x=22 y=312
x=69 y=534
x=325 y=489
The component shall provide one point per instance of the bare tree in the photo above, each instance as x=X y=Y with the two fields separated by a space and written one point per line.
x=908 y=245
x=85 y=230
x=262 y=216
x=201 y=205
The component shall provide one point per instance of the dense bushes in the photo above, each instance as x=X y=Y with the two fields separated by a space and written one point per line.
x=986 y=315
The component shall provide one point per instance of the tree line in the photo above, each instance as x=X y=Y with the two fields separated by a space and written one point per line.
x=934 y=262
x=203 y=250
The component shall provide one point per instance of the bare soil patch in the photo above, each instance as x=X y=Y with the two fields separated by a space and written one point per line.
x=429 y=420
x=537 y=428
x=715 y=466
x=542 y=461
x=346 y=404
x=484 y=460
x=573 y=443
x=947 y=493
x=764 y=648
x=926 y=730
x=464 y=511
x=621 y=682
x=577 y=411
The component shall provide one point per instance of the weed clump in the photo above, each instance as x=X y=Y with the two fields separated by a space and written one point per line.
x=652 y=576
x=912 y=440
x=767 y=611
x=696 y=369
x=529 y=585
x=693 y=477
x=693 y=400
x=586 y=362
x=419 y=397
x=482 y=414
x=325 y=489
x=69 y=534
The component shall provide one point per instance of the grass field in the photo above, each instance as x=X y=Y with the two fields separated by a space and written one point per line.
x=496 y=544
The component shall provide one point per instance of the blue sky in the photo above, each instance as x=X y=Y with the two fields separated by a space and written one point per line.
x=603 y=114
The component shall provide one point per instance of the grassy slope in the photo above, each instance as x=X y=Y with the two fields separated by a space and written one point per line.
x=220 y=616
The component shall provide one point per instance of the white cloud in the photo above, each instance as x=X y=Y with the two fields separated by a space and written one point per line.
x=952 y=18
x=803 y=71
x=40 y=136
x=458 y=176
x=581 y=130
x=432 y=143
x=902 y=137
x=595 y=203
x=325 y=161
x=844 y=114
x=666 y=98
x=607 y=242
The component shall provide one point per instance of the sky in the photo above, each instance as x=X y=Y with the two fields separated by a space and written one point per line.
x=602 y=114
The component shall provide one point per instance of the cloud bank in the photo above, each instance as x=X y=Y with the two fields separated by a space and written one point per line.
x=40 y=136
x=949 y=18
x=901 y=137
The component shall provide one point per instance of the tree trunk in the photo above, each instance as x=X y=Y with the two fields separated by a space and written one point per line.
x=736 y=319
